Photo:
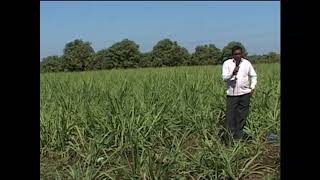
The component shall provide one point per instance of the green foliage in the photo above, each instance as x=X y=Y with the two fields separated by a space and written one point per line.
x=78 y=55
x=146 y=60
x=103 y=60
x=271 y=57
x=205 y=55
x=169 y=53
x=51 y=64
x=124 y=54
x=153 y=124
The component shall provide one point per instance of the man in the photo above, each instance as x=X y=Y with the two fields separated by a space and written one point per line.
x=241 y=80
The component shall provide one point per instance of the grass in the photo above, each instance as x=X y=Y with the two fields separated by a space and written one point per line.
x=153 y=123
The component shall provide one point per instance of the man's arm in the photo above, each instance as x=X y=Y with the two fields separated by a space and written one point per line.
x=226 y=75
x=253 y=77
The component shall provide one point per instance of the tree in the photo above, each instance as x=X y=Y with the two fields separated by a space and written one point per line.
x=124 y=54
x=271 y=57
x=227 y=50
x=206 y=54
x=78 y=55
x=51 y=64
x=146 y=60
x=184 y=55
x=102 y=60
x=169 y=53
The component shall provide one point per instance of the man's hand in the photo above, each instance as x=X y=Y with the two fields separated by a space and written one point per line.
x=252 y=92
x=235 y=71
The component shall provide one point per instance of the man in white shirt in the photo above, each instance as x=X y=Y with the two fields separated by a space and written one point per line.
x=241 y=79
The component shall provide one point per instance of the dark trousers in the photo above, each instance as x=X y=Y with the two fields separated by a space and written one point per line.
x=236 y=113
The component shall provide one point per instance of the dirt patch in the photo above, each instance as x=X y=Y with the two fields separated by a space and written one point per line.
x=270 y=159
x=51 y=165
x=191 y=143
x=272 y=156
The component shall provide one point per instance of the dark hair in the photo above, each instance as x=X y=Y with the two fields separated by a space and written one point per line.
x=236 y=48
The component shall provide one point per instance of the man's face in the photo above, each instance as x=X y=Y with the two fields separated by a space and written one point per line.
x=237 y=54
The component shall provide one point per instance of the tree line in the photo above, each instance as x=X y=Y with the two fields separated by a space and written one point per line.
x=78 y=55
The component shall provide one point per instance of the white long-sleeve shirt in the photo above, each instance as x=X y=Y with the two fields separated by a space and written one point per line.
x=246 y=77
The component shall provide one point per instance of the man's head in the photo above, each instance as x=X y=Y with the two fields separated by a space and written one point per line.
x=237 y=53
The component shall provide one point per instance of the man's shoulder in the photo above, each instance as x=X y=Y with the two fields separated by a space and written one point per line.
x=228 y=61
x=246 y=61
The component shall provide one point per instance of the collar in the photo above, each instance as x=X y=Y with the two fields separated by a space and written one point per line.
x=235 y=60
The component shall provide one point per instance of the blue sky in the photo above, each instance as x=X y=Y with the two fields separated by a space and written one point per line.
x=255 y=24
